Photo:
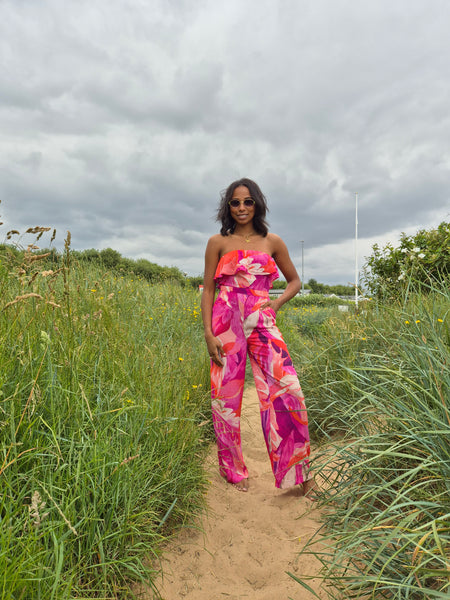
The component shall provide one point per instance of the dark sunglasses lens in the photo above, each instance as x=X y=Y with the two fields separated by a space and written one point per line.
x=247 y=202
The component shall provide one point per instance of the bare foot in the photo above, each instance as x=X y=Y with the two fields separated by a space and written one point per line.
x=311 y=490
x=241 y=486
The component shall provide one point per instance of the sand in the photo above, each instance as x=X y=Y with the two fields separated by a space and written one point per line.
x=246 y=542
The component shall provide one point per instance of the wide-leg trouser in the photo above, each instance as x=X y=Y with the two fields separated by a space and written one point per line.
x=244 y=328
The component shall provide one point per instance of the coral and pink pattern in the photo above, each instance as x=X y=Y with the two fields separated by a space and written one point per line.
x=244 y=278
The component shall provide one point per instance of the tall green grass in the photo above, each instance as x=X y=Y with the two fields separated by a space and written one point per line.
x=104 y=409
x=377 y=386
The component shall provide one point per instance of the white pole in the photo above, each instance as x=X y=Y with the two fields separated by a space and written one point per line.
x=356 y=252
x=303 y=271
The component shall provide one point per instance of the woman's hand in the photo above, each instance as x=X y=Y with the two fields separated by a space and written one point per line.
x=215 y=350
x=273 y=304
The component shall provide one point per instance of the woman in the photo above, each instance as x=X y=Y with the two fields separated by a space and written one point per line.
x=242 y=261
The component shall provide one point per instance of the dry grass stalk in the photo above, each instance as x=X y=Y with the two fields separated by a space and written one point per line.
x=33 y=277
x=67 y=241
x=35 y=397
x=66 y=520
x=124 y=462
x=23 y=297
x=52 y=273
x=37 y=229
x=49 y=302
x=86 y=400
x=34 y=257
x=5 y=465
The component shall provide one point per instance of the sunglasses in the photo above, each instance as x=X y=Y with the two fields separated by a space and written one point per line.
x=248 y=202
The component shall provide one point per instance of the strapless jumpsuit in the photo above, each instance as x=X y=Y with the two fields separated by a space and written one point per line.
x=243 y=278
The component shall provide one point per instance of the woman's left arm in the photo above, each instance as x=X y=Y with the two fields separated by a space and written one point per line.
x=281 y=256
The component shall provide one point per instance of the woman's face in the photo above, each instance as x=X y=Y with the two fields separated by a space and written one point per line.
x=243 y=213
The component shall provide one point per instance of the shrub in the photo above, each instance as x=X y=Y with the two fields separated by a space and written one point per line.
x=420 y=259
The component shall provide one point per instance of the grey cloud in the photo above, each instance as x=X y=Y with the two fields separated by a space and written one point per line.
x=123 y=126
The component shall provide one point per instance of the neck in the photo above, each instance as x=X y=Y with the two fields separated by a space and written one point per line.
x=247 y=233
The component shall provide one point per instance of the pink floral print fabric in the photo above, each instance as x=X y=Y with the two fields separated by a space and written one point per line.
x=244 y=278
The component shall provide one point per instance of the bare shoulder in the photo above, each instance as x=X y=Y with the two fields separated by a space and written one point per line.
x=213 y=251
x=214 y=243
x=281 y=256
x=276 y=244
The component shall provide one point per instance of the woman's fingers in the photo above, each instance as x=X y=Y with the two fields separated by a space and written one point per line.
x=216 y=352
x=267 y=305
x=217 y=360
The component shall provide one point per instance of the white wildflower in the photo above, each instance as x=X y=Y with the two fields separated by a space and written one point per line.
x=421 y=255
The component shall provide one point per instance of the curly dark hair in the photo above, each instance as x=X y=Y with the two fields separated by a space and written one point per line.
x=224 y=214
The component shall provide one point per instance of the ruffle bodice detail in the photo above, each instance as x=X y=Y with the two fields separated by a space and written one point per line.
x=246 y=269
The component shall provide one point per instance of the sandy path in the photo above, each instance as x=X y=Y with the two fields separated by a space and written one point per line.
x=247 y=541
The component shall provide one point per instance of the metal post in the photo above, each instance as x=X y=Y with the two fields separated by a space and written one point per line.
x=356 y=252
x=302 y=242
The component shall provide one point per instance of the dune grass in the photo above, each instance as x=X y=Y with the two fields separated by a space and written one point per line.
x=104 y=409
x=104 y=413
x=377 y=386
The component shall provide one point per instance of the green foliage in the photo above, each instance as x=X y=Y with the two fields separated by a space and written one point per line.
x=306 y=320
x=195 y=282
x=104 y=412
x=279 y=284
x=322 y=288
x=420 y=259
x=90 y=255
x=318 y=300
x=110 y=258
x=377 y=385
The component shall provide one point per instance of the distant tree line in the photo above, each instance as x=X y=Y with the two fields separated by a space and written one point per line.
x=141 y=267
x=107 y=258
x=111 y=259
x=323 y=288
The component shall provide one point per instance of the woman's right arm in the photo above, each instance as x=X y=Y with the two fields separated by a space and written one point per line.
x=215 y=349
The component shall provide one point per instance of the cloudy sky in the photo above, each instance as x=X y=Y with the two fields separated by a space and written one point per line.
x=122 y=121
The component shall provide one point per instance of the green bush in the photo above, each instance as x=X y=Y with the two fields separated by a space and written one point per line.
x=110 y=258
x=318 y=300
x=420 y=259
